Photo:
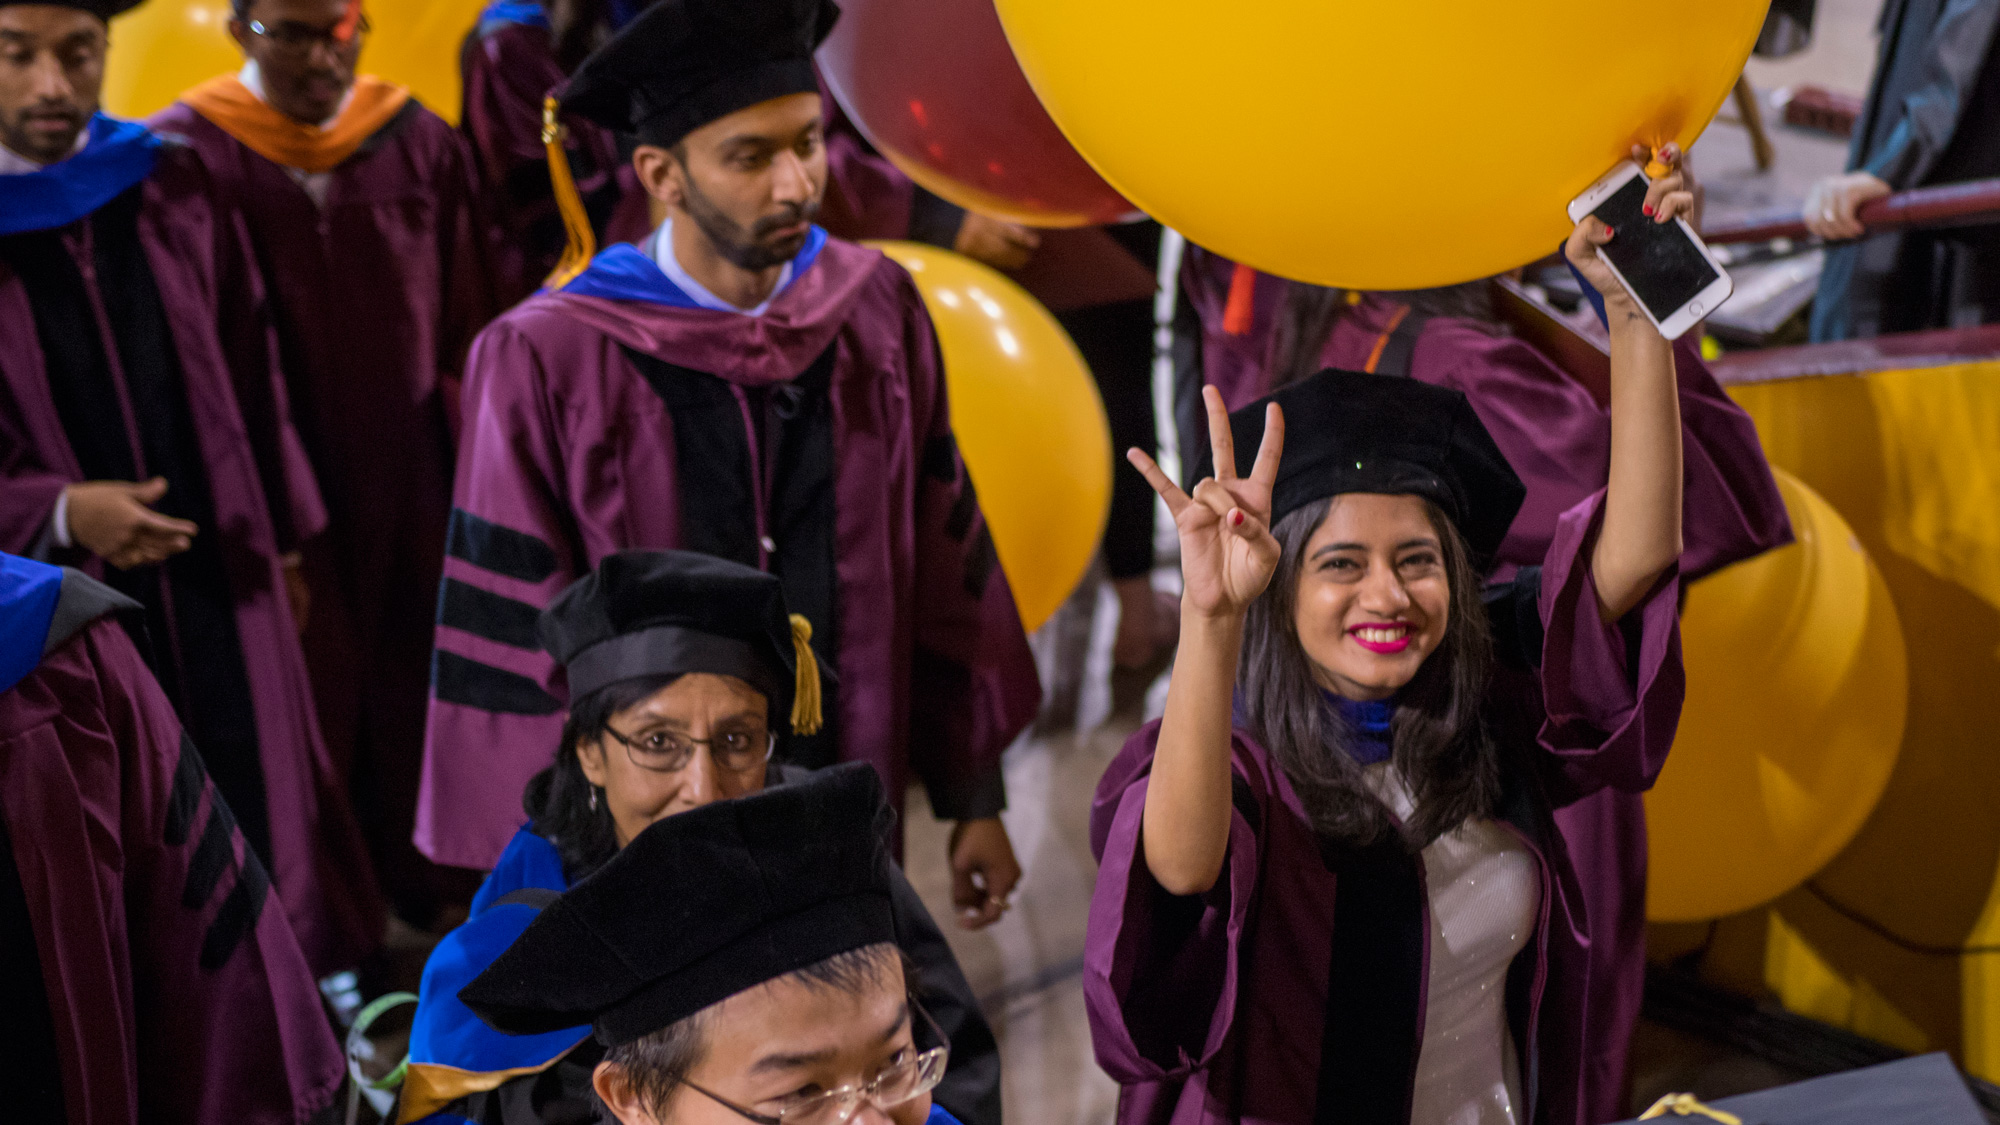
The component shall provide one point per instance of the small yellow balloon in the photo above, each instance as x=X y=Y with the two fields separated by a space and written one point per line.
x=1797 y=690
x=163 y=47
x=1374 y=144
x=1028 y=420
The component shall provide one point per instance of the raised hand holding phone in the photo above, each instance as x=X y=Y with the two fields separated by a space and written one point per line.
x=1660 y=265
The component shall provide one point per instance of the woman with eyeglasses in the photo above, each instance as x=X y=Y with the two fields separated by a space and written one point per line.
x=684 y=672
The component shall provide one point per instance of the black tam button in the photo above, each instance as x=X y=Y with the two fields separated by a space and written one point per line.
x=684 y=63
x=701 y=906
x=1350 y=432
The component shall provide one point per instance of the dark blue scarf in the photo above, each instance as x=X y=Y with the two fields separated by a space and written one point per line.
x=532 y=14
x=118 y=155
x=502 y=12
x=1369 y=724
x=626 y=273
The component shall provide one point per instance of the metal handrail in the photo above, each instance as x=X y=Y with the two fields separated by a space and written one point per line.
x=1974 y=202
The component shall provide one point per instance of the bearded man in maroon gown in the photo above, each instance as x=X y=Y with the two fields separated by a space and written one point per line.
x=742 y=385
x=360 y=204
x=145 y=436
x=149 y=976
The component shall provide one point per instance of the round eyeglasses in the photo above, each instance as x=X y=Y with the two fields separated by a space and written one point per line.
x=665 y=751
x=894 y=1085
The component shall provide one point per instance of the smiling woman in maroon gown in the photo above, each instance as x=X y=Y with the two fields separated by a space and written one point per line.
x=1557 y=436
x=1332 y=888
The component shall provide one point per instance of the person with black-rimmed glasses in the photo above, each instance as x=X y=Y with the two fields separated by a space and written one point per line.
x=687 y=672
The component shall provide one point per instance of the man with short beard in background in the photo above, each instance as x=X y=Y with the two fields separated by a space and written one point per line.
x=145 y=437
x=741 y=385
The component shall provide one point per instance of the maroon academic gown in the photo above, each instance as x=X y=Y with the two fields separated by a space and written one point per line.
x=508 y=68
x=174 y=995
x=570 y=453
x=1216 y=1008
x=264 y=504
x=377 y=295
x=1557 y=436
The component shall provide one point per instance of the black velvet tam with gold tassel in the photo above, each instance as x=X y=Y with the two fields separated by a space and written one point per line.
x=648 y=613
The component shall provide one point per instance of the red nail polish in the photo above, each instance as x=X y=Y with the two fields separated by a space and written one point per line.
x=1646 y=210
x=1608 y=232
x=1236 y=518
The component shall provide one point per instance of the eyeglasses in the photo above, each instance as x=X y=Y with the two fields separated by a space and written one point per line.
x=300 y=39
x=664 y=751
x=892 y=1087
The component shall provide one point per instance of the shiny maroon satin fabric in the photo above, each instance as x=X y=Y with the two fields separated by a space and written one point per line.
x=215 y=301
x=89 y=752
x=1598 y=716
x=376 y=295
x=565 y=441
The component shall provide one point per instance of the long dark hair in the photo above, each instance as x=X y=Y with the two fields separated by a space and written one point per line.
x=1438 y=741
x=557 y=799
x=1307 y=317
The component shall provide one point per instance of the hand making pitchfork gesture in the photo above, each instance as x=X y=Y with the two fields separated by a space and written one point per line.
x=1227 y=552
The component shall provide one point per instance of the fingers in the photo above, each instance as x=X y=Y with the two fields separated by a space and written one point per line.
x=1846 y=208
x=149 y=492
x=1818 y=211
x=1591 y=233
x=1657 y=193
x=1675 y=205
x=976 y=909
x=1158 y=478
x=148 y=521
x=1216 y=499
x=1270 y=451
x=1220 y=439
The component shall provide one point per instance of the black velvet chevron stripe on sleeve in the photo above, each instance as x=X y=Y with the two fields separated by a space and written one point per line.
x=214 y=856
x=239 y=913
x=483 y=613
x=941 y=458
x=185 y=797
x=469 y=683
x=502 y=550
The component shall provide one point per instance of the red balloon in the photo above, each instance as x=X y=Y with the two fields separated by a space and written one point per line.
x=934 y=86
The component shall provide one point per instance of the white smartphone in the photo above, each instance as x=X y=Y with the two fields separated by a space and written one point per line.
x=1665 y=266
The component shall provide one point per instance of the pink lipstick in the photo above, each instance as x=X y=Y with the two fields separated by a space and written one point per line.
x=1386 y=637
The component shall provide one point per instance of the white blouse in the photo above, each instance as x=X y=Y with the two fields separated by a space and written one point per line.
x=1485 y=896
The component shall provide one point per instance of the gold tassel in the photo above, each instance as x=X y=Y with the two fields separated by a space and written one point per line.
x=581 y=243
x=1685 y=1105
x=806 y=717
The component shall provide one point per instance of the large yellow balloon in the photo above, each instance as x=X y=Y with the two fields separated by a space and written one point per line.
x=1379 y=144
x=163 y=47
x=1028 y=420
x=1796 y=696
